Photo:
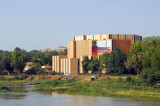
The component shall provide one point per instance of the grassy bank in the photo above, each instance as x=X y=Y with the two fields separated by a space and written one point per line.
x=106 y=88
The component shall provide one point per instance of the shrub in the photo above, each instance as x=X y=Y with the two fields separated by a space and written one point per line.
x=149 y=76
x=130 y=79
x=40 y=72
x=4 y=88
x=52 y=73
x=60 y=73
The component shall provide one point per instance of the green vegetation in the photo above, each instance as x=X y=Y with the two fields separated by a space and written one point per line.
x=94 y=65
x=128 y=87
x=142 y=59
x=123 y=88
x=85 y=65
x=15 y=60
x=3 y=88
x=115 y=62
x=112 y=62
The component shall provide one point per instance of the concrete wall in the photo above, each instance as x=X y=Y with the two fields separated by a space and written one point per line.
x=71 y=49
x=69 y=66
x=56 y=63
x=83 y=48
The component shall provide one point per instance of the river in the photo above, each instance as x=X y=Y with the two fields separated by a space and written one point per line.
x=53 y=99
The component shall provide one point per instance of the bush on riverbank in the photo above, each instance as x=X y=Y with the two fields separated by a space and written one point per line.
x=107 y=87
x=3 y=88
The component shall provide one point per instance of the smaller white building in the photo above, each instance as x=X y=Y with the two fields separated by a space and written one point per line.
x=60 y=49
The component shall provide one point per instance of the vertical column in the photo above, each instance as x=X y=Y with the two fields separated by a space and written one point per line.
x=69 y=64
x=62 y=66
x=58 y=63
x=53 y=62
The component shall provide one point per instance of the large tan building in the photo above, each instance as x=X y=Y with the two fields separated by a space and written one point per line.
x=91 y=46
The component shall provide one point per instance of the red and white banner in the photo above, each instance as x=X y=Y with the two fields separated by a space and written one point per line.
x=100 y=50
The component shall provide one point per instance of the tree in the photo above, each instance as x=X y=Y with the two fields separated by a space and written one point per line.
x=17 y=61
x=115 y=62
x=103 y=61
x=17 y=49
x=149 y=76
x=5 y=61
x=64 y=52
x=135 y=62
x=48 y=57
x=155 y=60
x=135 y=48
x=85 y=65
x=94 y=65
x=35 y=67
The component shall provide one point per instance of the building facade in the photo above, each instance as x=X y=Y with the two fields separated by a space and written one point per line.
x=60 y=49
x=91 y=46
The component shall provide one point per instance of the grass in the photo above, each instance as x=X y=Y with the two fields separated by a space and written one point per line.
x=120 y=88
x=106 y=88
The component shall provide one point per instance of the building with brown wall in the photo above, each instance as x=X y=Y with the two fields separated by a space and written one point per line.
x=91 y=46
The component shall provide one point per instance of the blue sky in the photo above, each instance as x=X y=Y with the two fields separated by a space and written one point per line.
x=40 y=24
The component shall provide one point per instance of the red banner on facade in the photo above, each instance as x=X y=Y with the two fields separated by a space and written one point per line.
x=100 y=50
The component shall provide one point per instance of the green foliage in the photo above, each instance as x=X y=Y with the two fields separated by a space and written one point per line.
x=135 y=62
x=17 y=49
x=85 y=64
x=17 y=61
x=40 y=72
x=52 y=73
x=59 y=73
x=20 y=76
x=5 y=61
x=94 y=65
x=115 y=62
x=103 y=61
x=149 y=76
x=63 y=53
x=129 y=79
x=34 y=68
x=155 y=60
x=135 y=48
x=4 y=89
x=146 y=63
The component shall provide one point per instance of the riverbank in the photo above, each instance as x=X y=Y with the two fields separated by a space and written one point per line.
x=105 y=86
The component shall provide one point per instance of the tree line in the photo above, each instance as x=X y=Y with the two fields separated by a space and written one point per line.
x=15 y=60
x=143 y=60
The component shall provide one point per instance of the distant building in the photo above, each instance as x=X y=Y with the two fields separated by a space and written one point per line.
x=91 y=46
x=27 y=66
x=47 y=68
x=60 y=49
x=46 y=50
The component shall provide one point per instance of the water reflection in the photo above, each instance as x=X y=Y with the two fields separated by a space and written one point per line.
x=12 y=96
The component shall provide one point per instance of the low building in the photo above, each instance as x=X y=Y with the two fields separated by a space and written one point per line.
x=46 y=50
x=27 y=66
x=60 y=49
x=47 y=68
x=92 y=46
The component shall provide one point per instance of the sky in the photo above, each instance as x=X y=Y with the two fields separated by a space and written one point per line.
x=40 y=24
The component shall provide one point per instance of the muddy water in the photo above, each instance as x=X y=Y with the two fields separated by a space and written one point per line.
x=53 y=99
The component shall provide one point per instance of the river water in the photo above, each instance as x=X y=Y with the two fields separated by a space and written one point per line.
x=53 y=99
